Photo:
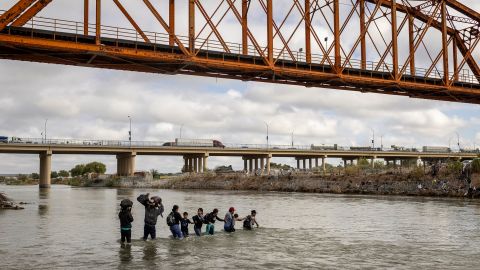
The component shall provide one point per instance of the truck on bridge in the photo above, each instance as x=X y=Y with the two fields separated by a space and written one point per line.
x=436 y=149
x=195 y=143
x=3 y=139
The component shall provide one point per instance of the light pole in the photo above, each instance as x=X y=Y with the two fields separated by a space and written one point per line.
x=130 y=131
x=181 y=127
x=373 y=137
x=458 y=140
x=381 y=142
x=45 y=130
x=326 y=43
x=292 y=137
x=266 y=124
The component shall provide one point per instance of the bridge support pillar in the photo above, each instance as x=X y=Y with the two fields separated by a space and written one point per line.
x=309 y=163
x=256 y=164
x=195 y=164
x=316 y=162
x=323 y=164
x=45 y=169
x=373 y=162
x=245 y=164
x=304 y=164
x=269 y=158
x=298 y=164
x=205 y=163
x=262 y=165
x=126 y=164
x=250 y=168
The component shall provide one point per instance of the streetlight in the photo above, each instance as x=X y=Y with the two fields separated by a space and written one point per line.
x=292 y=137
x=326 y=43
x=130 y=131
x=458 y=140
x=181 y=127
x=45 y=129
x=381 y=142
x=373 y=138
x=266 y=124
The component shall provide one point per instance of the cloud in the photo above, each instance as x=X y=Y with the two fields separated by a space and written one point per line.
x=89 y=103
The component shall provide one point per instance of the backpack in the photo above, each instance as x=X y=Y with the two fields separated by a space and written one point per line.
x=171 y=219
x=247 y=223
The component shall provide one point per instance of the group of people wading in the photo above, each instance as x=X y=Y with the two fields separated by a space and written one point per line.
x=177 y=222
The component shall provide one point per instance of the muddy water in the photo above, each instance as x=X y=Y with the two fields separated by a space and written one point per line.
x=67 y=228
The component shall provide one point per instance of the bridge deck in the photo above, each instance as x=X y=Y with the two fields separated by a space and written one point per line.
x=28 y=44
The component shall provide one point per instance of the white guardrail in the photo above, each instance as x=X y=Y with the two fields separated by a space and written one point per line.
x=158 y=144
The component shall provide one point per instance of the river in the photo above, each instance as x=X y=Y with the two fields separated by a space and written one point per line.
x=66 y=228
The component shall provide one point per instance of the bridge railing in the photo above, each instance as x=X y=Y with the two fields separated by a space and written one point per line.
x=119 y=34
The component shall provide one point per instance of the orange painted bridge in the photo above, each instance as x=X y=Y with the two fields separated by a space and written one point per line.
x=420 y=49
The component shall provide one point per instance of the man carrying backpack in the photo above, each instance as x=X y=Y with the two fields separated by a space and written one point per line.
x=173 y=221
x=153 y=209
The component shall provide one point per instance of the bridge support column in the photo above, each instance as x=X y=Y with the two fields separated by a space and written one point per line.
x=126 y=164
x=195 y=164
x=256 y=164
x=269 y=158
x=309 y=163
x=373 y=162
x=200 y=164
x=316 y=162
x=323 y=164
x=298 y=164
x=304 y=164
x=205 y=163
x=250 y=169
x=245 y=164
x=45 y=169
x=262 y=165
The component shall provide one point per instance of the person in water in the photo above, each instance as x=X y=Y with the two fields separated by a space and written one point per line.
x=250 y=221
x=198 y=222
x=230 y=218
x=153 y=209
x=209 y=219
x=126 y=219
x=184 y=224
x=173 y=221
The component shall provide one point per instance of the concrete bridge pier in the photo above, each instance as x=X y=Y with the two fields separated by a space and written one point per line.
x=45 y=169
x=126 y=164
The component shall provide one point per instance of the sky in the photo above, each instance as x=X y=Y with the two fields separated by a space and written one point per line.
x=88 y=103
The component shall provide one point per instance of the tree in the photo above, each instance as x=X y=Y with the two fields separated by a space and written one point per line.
x=476 y=165
x=63 y=173
x=95 y=167
x=155 y=173
x=78 y=170
x=54 y=174
x=35 y=176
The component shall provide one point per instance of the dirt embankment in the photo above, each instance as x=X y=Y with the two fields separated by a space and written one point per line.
x=387 y=183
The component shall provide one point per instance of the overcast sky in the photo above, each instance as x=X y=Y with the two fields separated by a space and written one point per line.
x=88 y=103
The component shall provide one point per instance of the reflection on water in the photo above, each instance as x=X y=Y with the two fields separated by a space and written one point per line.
x=67 y=228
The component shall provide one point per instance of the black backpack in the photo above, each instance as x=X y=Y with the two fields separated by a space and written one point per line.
x=247 y=223
x=171 y=219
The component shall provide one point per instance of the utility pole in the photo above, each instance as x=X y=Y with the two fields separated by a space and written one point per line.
x=181 y=127
x=266 y=124
x=292 y=138
x=373 y=138
x=130 y=131
x=45 y=130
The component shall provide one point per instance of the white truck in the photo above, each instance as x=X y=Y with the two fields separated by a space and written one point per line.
x=195 y=143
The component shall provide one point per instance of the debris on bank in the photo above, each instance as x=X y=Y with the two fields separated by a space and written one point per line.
x=7 y=203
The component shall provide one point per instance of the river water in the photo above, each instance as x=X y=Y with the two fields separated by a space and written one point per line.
x=67 y=228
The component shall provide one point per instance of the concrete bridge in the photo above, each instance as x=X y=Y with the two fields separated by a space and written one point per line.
x=255 y=157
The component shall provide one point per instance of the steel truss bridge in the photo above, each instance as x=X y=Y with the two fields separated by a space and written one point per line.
x=419 y=49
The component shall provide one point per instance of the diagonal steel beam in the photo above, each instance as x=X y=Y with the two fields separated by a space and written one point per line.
x=14 y=12
x=212 y=26
x=31 y=12
x=131 y=20
x=165 y=26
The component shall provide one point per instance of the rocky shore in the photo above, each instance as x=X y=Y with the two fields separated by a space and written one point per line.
x=6 y=203
x=386 y=183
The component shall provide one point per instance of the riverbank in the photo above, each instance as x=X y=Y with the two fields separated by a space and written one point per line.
x=387 y=183
x=7 y=203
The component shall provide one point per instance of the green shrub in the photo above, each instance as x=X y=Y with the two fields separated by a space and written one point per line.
x=417 y=173
x=476 y=165
x=454 y=167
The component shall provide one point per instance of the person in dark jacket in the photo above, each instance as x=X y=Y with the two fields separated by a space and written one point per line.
x=184 y=224
x=198 y=222
x=126 y=219
x=153 y=209
x=173 y=220
x=209 y=219
x=250 y=220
